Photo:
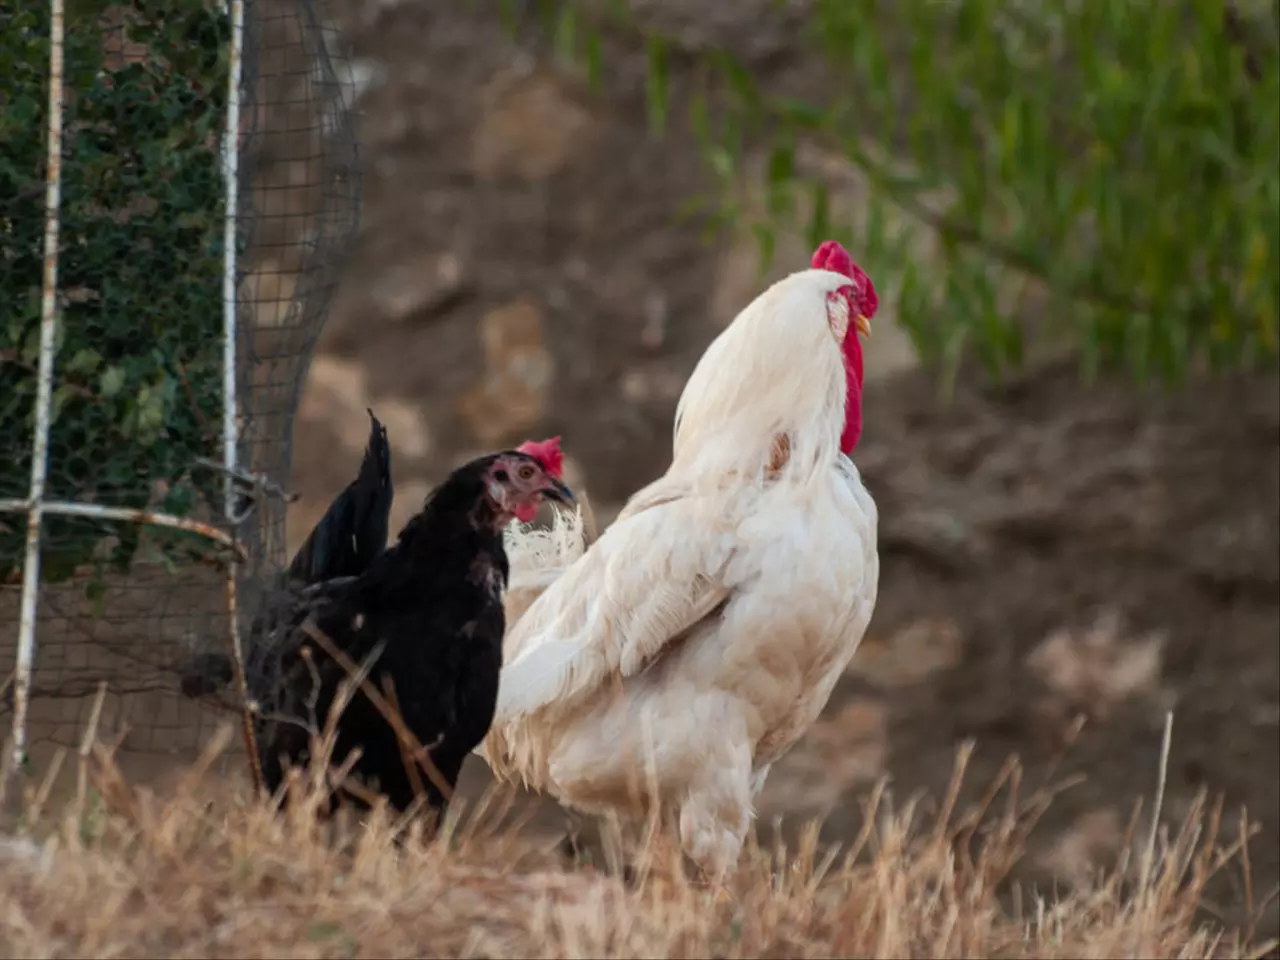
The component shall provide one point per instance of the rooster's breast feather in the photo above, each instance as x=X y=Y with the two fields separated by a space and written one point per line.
x=650 y=577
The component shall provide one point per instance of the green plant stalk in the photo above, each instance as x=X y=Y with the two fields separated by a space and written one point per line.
x=1125 y=157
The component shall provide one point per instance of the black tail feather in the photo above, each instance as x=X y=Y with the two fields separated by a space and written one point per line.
x=354 y=529
x=350 y=535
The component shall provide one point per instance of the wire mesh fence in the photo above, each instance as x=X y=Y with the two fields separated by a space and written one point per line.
x=169 y=359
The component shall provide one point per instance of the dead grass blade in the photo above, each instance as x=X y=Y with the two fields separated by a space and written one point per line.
x=407 y=740
x=212 y=872
x=411 y=768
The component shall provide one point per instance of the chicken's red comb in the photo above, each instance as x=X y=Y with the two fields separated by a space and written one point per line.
x=830 y=255
x=547 y=453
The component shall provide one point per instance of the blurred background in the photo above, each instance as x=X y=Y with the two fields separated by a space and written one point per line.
x=1071 y=212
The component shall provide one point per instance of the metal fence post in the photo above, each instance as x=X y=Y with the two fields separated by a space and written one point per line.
x=44 y=395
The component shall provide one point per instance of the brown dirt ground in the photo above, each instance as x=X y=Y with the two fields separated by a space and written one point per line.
x=503 y=201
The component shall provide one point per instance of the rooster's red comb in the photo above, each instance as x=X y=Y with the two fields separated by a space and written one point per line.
x=547 y=453
x=830 y=255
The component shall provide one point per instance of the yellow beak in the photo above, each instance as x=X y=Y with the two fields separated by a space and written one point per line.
x=863 y=325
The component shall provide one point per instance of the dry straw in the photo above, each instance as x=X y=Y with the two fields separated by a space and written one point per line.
x=209 y=871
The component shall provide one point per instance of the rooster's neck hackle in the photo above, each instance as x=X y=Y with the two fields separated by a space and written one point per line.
x=775 y=371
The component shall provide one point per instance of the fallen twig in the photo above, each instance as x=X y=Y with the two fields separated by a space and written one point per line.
x=411 y=768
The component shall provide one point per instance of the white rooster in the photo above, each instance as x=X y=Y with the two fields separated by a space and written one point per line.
x=702 y=634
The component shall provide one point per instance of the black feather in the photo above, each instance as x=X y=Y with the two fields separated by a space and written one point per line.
x=353 y=531
x=433 y=604
x=347 y=539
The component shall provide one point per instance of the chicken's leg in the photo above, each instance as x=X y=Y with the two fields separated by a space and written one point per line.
x=715 y=815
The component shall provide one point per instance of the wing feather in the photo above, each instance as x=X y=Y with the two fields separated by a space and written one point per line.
x=651 y=576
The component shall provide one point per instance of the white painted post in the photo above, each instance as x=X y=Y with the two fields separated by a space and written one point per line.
x=44 y=393
x=230 y=430
x=231 y=183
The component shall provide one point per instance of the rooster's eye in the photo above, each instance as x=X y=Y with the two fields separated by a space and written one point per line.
x=526 y=472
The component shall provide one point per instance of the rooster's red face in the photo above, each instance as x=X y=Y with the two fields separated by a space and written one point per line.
x=856 y=303
x=518 y=482
x=849 y=311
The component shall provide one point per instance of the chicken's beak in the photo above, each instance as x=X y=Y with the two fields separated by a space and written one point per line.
x=558 y=491
x=863 y=325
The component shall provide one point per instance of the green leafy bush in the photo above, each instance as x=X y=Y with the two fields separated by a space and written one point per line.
x=138 y=377
x=1118 y=160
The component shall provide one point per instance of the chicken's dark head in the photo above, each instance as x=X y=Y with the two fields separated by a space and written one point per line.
x=517 y=481
x=849 y=310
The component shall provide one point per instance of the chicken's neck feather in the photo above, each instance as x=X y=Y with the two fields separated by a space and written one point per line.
x=457 y=524
x=775 y=371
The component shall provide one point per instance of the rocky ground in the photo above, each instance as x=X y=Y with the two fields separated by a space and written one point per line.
x=1050 y=550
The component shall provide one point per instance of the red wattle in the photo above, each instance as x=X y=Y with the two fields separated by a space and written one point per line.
x=853 y=392
x=525 y=512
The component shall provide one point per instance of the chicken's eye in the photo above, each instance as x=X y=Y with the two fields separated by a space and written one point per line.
x=525 y=472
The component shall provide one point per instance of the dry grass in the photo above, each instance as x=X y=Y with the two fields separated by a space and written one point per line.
x=207 y=872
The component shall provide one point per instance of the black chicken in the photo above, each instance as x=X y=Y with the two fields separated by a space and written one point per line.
x=352 y=532
x=433 y=604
